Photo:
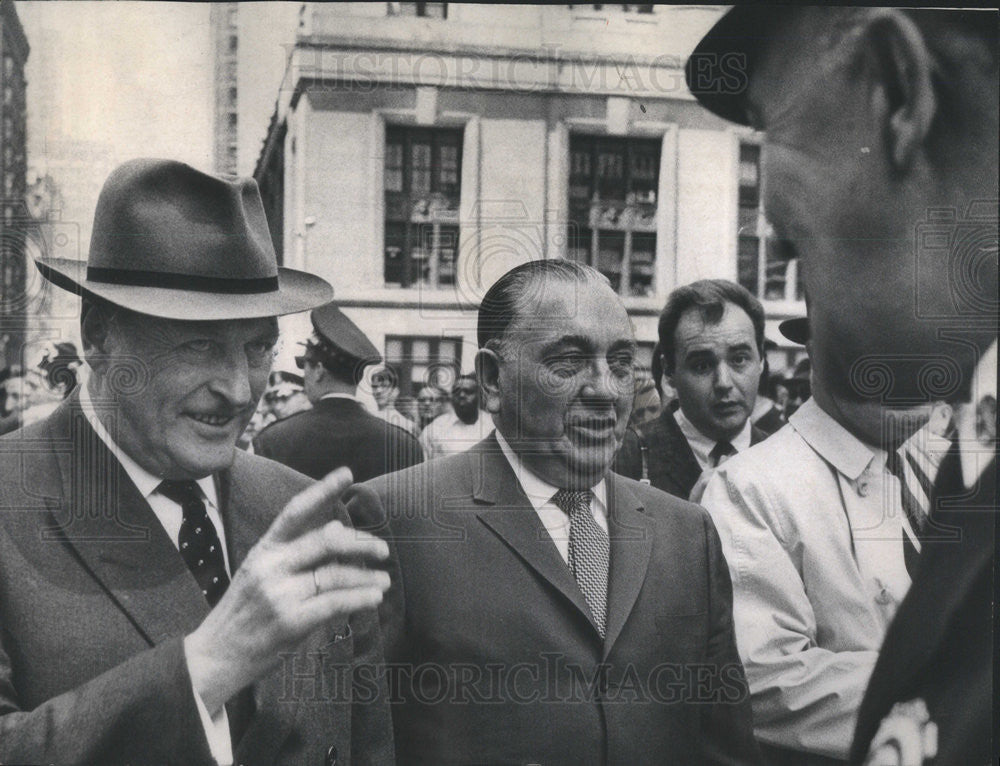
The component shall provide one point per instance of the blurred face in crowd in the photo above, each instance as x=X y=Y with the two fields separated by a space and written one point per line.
x=430 y=403
x=184 y=391
x=465 y=399
x=849 y=176
x=383 y=390
x=286 y=400
x=560 y=385
x=646 y=405
x=716 y=370
x=17 y=397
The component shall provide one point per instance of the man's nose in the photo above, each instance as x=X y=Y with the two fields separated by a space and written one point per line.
x=232 y=378
x=723 y=377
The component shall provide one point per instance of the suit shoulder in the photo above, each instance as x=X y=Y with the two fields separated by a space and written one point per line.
x=262 y=471
x=448 y=470
x=658 y=503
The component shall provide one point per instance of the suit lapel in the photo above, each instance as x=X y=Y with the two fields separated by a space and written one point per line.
x=631 y=545
x=116 y=535
x=246 y=515
x=513 y=519
x=678 y=458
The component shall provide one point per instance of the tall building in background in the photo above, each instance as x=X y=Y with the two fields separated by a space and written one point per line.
x=224 y=22
x=15 y=221
x=419 y=150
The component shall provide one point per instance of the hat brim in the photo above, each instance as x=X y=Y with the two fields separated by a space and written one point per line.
x=718 y=70
x=297 y=291
x=795 y=329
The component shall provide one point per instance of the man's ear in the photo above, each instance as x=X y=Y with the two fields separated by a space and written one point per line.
x=488 y=375
x=97 y=336
x=903 y=64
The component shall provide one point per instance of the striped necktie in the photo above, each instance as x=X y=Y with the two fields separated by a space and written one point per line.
x=589 y=552
x=914 y=494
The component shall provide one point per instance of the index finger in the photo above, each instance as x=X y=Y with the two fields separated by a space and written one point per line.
x=310 y=508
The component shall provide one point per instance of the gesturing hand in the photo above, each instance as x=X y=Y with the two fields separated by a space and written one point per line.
x=304 y=571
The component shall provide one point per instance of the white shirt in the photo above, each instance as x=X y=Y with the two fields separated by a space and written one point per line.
x=448 y=434
x=701 y=445
x=540 y=494
x=170 y=516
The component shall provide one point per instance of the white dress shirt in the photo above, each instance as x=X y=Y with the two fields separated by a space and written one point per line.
x=702 y=445
x=540 y=494
x=170 y=516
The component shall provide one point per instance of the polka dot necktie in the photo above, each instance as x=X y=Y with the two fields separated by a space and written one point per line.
x=589 y=552
x=198 y=540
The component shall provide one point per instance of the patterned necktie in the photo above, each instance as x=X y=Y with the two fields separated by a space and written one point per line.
x=589 y=552
x=198 y=540
x=914 y=496
x=720 y=452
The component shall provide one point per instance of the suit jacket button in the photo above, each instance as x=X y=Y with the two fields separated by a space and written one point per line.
x=331 y=756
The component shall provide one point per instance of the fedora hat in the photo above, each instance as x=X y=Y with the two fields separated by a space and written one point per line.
x=170 y=241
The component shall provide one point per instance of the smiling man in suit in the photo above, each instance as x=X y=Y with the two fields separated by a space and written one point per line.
x=712 y=345
x=545 y=610
x=165 y=597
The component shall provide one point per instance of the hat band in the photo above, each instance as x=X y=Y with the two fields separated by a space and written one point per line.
x=171 y=281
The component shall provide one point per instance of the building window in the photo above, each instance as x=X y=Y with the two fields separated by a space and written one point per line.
x=418 y=361
x=425 y=10
x=627 y=8
x=234 y=43
x=762 y=265
x=232 y=96
x=613 y=186
x=231 y=117
x=423 y=171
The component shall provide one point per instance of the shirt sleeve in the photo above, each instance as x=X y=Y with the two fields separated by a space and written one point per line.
x=220 y=743
x=805 y=697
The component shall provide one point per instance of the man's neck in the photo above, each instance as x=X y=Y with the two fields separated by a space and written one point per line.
x=468 y=419
x=873 y=423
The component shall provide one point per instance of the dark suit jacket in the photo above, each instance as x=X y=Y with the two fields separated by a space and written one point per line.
x=670 y=461
x=338 y=432
x=95 y=601
x=494 y=655
x=939 y=647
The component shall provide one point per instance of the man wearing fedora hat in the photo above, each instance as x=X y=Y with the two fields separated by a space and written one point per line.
x=337 y=430
x=164 y=597
x=880 y=172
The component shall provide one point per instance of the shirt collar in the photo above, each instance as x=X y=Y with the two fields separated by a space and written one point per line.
x=334 y=395
x=702 y=445
x=144 y=481
x=539 y=491
x=834 y=443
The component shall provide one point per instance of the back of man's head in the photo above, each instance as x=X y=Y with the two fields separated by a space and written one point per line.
x=709 y=297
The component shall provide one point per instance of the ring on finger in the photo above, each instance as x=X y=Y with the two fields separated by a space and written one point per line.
x=316 y=582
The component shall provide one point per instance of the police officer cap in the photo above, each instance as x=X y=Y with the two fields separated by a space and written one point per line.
x=337 y=337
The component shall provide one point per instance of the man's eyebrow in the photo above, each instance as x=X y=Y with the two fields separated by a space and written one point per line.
x=569 y=341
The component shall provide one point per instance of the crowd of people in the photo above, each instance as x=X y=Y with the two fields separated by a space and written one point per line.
x=555 y=561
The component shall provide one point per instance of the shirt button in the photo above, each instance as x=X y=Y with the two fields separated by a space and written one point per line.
x=863 y=488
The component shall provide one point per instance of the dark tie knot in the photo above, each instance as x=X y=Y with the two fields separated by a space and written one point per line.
x=184 y=492
x=721 y=450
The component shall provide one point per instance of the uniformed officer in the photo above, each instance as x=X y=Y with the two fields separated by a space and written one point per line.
x=338 y=430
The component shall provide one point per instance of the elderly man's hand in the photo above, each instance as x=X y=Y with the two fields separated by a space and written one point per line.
x=906 y=737
x=304 y=572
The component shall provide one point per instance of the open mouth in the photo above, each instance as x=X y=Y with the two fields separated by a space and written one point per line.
x=217 y=421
